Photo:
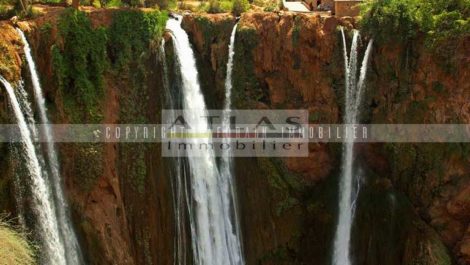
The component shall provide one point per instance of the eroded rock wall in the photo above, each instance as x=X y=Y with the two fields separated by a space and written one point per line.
x=119 y=193
x=286 y=60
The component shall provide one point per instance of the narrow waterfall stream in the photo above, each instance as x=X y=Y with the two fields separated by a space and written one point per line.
x=53 y=251
x=21 y=184
x=72 y=248
x=27 y=109
x=347 y=194
x=213 y=232
x=226 y=162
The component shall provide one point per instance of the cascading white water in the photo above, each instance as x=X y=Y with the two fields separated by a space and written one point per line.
x=53 y=251
x=179 y=256
x=226 y=162
x=212 y=230
x=19 y=187
x=228 y=79
x=69 y=239
x=353 y=97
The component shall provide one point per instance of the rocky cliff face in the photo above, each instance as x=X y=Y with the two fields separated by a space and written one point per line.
x=294 y=61
x=415 y=203
x=109 y=186
x=413 y=84
x=10 y=68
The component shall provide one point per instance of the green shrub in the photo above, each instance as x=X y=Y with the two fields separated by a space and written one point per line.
x=402 y=20
x=7 y=2
x=267 y=5
x=247 y=90
x=79 y=63
x=88 y=164
x=441 y=24
x=6 y=11
x=7 y=63
x=214 y=7
x=113 y=3
x=271 y=8
x=240 y=6
x=132 y=33
x=80 y=60
x=391 y=19
x=226 y=6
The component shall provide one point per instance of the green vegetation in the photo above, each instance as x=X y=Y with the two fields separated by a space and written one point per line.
x=236 y=7
x=418 y=168
x=81 y=60
x=88 y=164
x=14 y=248
x=296 y=31
x=288 y=185
x=246 y=87
x=7 y=9
x=213 y=31
x=10 y=8
x=79 y=63
x=215 y=6
x=268 y=5
x=404 y=19
x=137 y=171
x=83 y=57
x=7 y=64
x=131 y=33
x=240 y=6
x=21 y=8
x=133 y=40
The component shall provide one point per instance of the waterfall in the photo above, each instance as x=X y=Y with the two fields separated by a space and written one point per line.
x=226 y=163
x=176 y=175
x=72 y=248
x=211 y=226
x=228 y=79
x=353 y=96
x=18 y=183
x=53 y=251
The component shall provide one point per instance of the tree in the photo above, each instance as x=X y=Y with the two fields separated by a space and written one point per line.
x=240 y=6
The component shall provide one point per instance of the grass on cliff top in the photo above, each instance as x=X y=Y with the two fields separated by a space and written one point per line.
x=14 y=248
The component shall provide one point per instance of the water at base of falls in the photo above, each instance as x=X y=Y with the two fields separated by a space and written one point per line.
x=353 y=96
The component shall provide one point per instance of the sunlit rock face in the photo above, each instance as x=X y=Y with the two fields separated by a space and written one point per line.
x=288 y=206
x=293 y=61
